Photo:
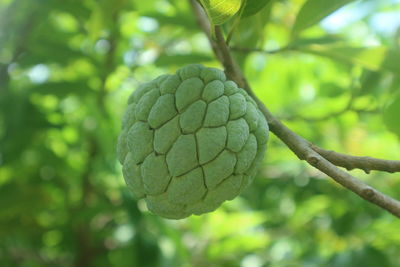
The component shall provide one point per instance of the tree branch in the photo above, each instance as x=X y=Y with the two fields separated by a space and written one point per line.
x=301 y=147
x=366 y=164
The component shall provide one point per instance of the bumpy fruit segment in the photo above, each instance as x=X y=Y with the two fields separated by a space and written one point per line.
x=190 y=141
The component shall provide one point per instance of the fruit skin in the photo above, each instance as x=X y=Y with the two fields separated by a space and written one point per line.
x=190 y=141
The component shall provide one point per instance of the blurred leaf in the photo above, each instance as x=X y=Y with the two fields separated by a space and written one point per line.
x=180 y=20
x=145 y=6
x=345 y=224
x=49 y=51
x=331 y=89
x=372 y=58
x=23 y=115
x=62 y=89
x=370 y=82
x=103 y=16
x=251 y=37
x=391 y=116
x=254 y=6
x=324 y=40
x=96 y=23
x=75 y=8
x=166 y=60
x=223 y=228
x=29 y=202
x=366 y=257
x=220 y=11
x=313 y=11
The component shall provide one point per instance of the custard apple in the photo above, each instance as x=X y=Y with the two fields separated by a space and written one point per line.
x=190 y=141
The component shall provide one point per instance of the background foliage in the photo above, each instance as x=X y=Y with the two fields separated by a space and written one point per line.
x=67 y=68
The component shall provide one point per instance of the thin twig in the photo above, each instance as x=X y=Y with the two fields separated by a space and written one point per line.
x=204 y=23
x=301 y=147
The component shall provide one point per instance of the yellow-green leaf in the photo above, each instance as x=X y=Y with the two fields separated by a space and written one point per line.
x=220 y=11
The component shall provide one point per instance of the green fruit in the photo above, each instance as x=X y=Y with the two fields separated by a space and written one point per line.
x=190 y=141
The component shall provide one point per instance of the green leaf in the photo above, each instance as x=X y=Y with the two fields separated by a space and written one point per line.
x=372 y=58
x=254 y=6
x=220 y=11
x=391 y=116
x=313 y=11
